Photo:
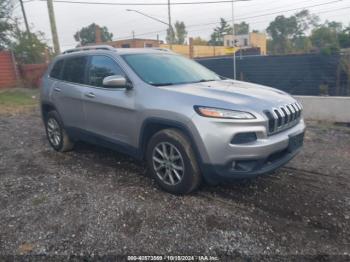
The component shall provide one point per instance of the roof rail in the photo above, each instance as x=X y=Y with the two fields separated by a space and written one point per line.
x=161 y=49
x=91 y=47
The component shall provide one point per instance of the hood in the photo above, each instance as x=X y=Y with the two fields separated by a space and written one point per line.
x=237 y=92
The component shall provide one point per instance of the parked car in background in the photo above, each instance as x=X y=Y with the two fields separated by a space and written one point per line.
x=188 y=123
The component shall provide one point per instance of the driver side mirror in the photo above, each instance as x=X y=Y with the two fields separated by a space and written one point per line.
x=117 y=81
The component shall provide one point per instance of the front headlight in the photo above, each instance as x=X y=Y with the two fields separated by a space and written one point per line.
x=222 y=113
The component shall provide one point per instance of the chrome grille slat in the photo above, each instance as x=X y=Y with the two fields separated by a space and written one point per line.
x=283 y=117
x=299 y=111
x=292 y=112
x=286 y=111
x=295 y=110
x=275 y=120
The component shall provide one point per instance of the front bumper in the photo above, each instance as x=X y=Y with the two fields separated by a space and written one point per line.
x=224 y=173
x=223 y=161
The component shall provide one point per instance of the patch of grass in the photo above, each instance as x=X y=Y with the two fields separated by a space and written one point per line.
x=17 y=100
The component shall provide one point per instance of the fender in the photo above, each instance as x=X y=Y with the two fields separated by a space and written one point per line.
x=143 y=137
x=47 y=104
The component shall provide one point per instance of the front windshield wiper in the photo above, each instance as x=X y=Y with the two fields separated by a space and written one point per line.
x=204 y=80
x=163 y=84
x=180 y=83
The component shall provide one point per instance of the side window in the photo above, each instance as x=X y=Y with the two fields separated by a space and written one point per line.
x=101 y=67
x=74 y=69
x=57 y=69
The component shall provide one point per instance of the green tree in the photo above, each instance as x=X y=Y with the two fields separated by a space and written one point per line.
x=334 y=26
x=170 y=35
x=180 y=34
x=30 y=49
x=281 y=31
x=344 y=38
x=6 y=25
x=289 y=34
x=217 y=37
x=87 y=35
x=199 y=41
x=325 y=39
x=302 y=44
x=241 y=28
x=305 y=22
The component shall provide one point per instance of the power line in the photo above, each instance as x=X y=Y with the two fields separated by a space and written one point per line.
x=273 y=13
x=143 y=3
x=192 y=3
x=195 y=25
x=261 y=21
x=256 y=16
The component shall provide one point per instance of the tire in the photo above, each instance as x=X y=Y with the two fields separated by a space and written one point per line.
x=179 y=154
x=56 y=134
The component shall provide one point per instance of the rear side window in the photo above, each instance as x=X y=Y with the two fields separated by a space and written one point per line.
x=56 y=71
x=101 y=67
x=74 y=69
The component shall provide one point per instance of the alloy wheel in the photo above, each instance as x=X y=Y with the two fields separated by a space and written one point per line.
x=168 y=163
x=53 y=132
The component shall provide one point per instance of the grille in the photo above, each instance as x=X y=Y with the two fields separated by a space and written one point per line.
x=283 y=117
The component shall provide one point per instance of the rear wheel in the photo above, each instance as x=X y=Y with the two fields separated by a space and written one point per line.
x=56 y=134
x=172 y=163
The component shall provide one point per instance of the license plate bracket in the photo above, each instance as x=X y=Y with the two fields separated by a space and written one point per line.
x=295 y=142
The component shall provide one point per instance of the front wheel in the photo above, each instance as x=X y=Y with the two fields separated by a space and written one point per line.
x=172 y=163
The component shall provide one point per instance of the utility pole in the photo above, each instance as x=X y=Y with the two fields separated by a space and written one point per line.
x=98 y=37
x=233 y=41
x=25 y=18
x=56 y=44
x=171 y=33
x=234 y=36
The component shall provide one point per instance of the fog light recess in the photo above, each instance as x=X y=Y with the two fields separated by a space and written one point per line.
x=243 y=138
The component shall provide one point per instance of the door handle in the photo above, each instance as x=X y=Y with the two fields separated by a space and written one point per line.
x=90 y=95
x=57 y=89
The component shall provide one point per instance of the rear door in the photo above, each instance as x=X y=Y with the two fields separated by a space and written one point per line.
x=109 y=111
x=68 y=92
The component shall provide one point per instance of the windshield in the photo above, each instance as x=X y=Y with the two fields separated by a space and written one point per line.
x=168 y=69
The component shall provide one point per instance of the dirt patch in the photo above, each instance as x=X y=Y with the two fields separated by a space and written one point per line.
x=96 y=201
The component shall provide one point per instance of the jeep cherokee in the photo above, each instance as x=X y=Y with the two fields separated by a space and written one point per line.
x=185 y=121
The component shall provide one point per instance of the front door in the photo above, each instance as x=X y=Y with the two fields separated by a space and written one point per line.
x=109 y=111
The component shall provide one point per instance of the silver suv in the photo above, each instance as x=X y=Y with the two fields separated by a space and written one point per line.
x=188 y=123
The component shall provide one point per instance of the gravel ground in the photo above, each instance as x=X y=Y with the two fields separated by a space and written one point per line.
x=93 y=201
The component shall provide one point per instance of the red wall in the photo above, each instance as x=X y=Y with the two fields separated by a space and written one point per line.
x=8 y=76
x=32 y=73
